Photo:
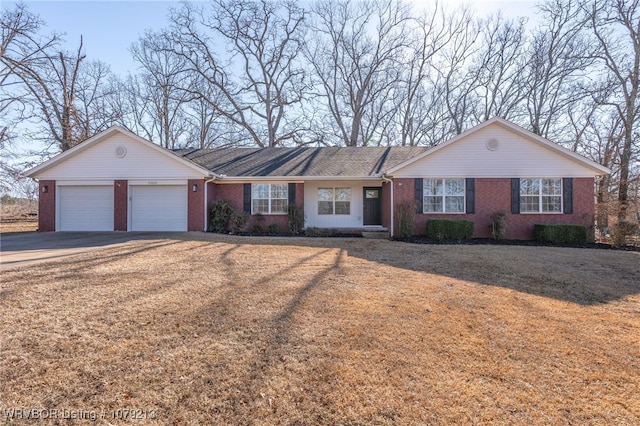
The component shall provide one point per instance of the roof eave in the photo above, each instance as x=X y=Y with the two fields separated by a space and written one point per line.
x=33 y=172
x=598 y=169
x=234 y=179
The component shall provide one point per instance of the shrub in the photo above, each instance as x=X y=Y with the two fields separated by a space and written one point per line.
x=498 y=224
x=257 y=225
x=239 y=221
x=563 y=234
x=316 y=232
x=220 y=213
x=273 y=228
x=449 y=229
x=295 y=218
x=406 y=213
x=621 y=231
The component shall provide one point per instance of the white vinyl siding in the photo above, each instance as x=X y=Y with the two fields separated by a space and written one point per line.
x=443 y=195
x=85 y=208
x=516 y=156
x=269 y=198
x=540 y=195
x=334 y=201
x=100 y=161
x=352 y=219
x=158 y=207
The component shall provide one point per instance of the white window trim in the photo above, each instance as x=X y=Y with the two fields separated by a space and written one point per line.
x=269 y=213
x=333 y=201
x=444 y=201
x=540 y=195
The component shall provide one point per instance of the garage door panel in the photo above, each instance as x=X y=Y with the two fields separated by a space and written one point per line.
x=159 y=208
x=86 y=208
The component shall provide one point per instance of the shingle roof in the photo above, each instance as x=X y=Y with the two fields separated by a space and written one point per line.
x=324 y=161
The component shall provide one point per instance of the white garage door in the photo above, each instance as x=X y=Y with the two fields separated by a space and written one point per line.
x=158 y=208
x=85 y=208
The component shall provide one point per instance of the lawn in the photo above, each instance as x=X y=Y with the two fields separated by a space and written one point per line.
x=205 y=329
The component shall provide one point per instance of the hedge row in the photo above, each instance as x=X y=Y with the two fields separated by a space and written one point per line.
x=564 y=234
x=449 y=229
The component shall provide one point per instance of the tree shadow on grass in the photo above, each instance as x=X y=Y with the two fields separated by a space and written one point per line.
x=582 y=276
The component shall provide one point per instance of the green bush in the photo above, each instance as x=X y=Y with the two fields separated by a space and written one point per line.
x=449 y=229
x=295 y=218
x=220 y=214
x=498 y=224
x=563 y=234
x=273 y=229
x=317 y=232
x=406 y=212
x=257 y=224
x=239 y=221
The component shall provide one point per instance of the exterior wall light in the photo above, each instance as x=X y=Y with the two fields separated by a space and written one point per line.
x=194 y=187
x=45 y=189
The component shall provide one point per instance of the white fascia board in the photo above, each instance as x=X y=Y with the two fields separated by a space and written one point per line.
x=598 y=169
x=33 y=172
x=292 y=179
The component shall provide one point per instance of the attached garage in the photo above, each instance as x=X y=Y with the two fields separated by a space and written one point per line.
x=85 y=208
x=118 y=181
x=158 y=207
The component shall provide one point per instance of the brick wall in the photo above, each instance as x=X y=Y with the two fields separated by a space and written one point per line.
x=492 y=195
x=47 y=206
x=121 y=201
x=385 y=200
x=195 y=205
x=234 y=193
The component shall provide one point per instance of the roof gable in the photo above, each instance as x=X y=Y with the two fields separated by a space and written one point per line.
x=117 y=153
x=519 y=153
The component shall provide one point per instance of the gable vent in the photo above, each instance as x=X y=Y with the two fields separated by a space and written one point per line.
x=121 y=151
x=493 y=144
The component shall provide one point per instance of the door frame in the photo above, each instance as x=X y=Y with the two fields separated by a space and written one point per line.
x=364 y=205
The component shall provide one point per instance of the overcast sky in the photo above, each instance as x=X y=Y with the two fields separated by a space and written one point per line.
x=110 y=27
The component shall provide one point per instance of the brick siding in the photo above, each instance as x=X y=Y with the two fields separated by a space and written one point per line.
x=120 y=204
x=492 y=195
x=195 y=205
x=234 y=193
x=47 y=206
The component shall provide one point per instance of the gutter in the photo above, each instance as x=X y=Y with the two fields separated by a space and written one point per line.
x=389 y=180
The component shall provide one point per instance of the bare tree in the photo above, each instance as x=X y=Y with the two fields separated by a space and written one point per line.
x=499 y=66
x=428 y=35
x=260 y=79
x=559 y=57
x=616 y=26
x=355 y=52
x=58 y=87
x=162 y=75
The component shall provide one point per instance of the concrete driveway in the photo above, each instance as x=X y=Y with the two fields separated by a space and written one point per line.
x=34 y=247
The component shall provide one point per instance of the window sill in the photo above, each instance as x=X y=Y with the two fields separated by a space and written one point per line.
x=543 y=213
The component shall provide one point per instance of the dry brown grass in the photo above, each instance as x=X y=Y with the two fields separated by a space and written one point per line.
x=20 y=216
x=226 y=330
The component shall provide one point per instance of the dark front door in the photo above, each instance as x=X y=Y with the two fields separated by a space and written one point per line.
x=372 y=214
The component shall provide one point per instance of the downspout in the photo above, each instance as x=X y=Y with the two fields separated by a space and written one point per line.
x=206 y=187
x=390 y=181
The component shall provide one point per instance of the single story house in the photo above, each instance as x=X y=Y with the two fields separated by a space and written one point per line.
x=117 y=181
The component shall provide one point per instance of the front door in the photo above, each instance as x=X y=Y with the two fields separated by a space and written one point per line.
x=372 y=205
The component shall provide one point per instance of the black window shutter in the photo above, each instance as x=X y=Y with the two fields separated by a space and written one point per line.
x=419 y=195
x=247 y=198
x=470 y=188
x=292 y=193
x=567 y=195
x=515 y=195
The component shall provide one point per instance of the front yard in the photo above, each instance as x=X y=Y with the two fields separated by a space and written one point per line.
x=209 y=329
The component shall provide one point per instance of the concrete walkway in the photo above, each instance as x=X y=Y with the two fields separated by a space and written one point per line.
x=24 y=249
